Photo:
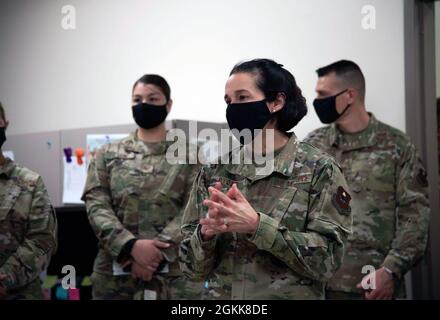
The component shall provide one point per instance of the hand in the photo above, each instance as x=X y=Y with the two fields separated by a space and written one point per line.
x=384 y=285
x=232 y=208
x=207 y=232
x=2 y=289
x=138 y=272
x=147 y=254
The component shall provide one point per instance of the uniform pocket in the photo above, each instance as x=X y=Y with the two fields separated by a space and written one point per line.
x=292 y=202
x=11 y=223
x=128 y=213
x=9 y=200
x=127 y=173
x=282 y=197
x=165 y=192
x=372 y=172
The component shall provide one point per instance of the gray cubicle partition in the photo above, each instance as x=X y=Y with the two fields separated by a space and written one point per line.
x=184 y=125
x=211 y=151
x=43 y=152
x=76 y=138
x=40 y=152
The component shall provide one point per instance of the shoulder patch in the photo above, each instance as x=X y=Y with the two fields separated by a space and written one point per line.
x=341 y=201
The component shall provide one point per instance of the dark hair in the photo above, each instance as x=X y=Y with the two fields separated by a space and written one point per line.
x=158 y=81
x=349 y=72
x=2 y=112
x=271 y=79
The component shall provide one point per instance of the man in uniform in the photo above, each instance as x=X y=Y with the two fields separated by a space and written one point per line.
x=27 y=228
x=387 y=182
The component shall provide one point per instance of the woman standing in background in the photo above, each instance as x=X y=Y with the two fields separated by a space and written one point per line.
x=134 y=198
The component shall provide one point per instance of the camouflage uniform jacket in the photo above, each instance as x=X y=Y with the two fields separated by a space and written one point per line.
x=305 y=218
x=132 y=191
x=390 y=199
x=27 y=231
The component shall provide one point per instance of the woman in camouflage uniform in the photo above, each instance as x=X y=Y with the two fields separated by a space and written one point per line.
x=134 y=197
x=266 y=234
x=27 y=228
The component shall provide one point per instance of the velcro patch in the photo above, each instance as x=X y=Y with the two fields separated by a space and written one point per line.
x=341 y=200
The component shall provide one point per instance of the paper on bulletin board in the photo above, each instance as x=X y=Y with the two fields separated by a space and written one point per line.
x=9 y=154
x=94 y=141
x=74 y=181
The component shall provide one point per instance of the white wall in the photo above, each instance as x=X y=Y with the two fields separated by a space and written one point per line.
x=52 y=78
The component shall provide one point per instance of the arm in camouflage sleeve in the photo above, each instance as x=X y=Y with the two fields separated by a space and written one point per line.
x=172 y=231
x=107 y=227
x=33 y=255
x=182 y=185
x=196 y=256
x=412 y=214
x=317 y=252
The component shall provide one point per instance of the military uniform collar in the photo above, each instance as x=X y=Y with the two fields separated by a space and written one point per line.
x=133 y=144
x=7 y=168
x=282 y=162
x=351 y=141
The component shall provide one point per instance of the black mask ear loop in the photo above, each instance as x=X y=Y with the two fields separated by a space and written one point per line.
x=348 y=105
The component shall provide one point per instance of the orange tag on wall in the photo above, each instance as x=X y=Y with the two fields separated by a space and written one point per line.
x=79 y=152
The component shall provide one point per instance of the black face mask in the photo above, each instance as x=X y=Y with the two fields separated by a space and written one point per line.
x=250 y=115
x=2 y=136
x=326 y=108
x=148 y=116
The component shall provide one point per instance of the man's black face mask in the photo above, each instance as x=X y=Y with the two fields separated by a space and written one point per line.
x=325 y=108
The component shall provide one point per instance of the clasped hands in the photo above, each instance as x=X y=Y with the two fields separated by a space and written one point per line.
x=145 y=258
x=228 y=212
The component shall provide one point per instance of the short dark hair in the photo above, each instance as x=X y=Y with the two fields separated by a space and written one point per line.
x=271 y=79
x=349 y=72
x=2 y=112
x=158 y=81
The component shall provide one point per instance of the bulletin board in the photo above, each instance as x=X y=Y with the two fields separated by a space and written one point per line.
x=43 y=152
